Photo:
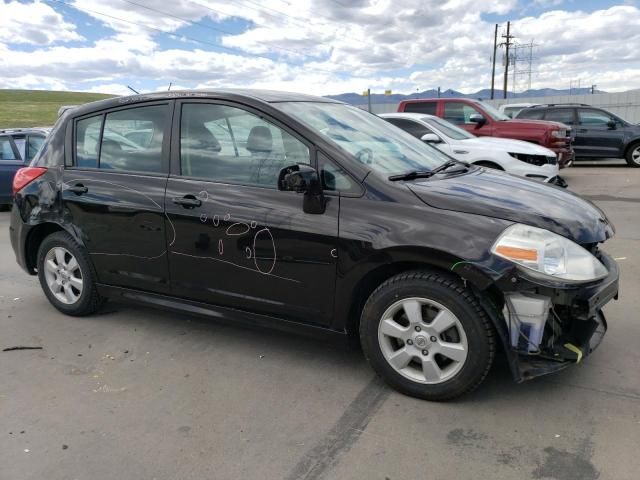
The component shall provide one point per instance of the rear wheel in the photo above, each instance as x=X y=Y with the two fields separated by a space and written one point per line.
x=633 y=155
x=426 y=335
x=66 y=275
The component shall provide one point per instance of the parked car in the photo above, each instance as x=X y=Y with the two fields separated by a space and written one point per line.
x=513 y=156
x=598 y=133
x=324 y=216
x=18 y=146
x=512 y=109
x=483 y=120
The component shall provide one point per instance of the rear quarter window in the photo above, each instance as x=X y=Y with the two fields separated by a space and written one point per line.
x=530 y=114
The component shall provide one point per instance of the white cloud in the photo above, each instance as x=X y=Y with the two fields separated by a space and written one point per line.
x=321 y=47
x=36 y=23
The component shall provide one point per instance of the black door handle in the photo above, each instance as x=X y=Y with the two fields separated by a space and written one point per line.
x=78 y=189
x=188 y=201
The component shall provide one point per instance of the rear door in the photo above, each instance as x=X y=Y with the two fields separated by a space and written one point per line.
x=10 y=162
x=113 y=193
x=237 y=241
x=595 y=137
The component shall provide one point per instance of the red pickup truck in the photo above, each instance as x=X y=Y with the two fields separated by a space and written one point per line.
x=483 y=120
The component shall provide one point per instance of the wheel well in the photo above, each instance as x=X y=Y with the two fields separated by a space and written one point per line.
x=630 y=145
x=374 y=279
x=488 y=164
x=35 y=238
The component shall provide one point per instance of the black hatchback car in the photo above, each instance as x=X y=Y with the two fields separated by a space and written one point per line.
x=598 y=133
x=287 y=208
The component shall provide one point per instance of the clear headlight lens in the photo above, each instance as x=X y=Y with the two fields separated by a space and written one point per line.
x=547 y=253
x=559 y=133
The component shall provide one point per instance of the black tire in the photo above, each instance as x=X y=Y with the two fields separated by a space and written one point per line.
x=89 y=301
x=5 y=207
x=487 y=164
x=634 y=148
x=450 y=293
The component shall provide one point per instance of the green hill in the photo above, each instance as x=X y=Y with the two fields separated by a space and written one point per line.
x=38 y=108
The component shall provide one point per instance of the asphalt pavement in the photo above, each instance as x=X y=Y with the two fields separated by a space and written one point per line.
x=136 y=393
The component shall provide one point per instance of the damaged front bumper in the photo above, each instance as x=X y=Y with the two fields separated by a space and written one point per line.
x=573 y=328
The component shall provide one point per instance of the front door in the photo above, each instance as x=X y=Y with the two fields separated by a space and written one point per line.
x=113 y=194
x=235 y=239
x=459 y=113
x=596 y=136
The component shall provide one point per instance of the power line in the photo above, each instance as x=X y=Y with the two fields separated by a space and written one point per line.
x=299 y=21
x=209 y=27
x=181 y=36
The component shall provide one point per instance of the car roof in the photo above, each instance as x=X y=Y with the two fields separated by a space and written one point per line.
x=267 y=96
x=411 y=115
x=24 y=131
x=506 y=105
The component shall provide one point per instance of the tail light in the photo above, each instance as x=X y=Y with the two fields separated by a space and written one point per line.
x=25 y=176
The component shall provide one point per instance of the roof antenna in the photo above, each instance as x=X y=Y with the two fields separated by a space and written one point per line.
x=133 y=90
x=170 y=83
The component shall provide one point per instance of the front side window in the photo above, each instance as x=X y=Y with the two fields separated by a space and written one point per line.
x=594 y=118
x=231 y=145
x=87 y=141
x=449 y=129
x=459 y=113
x=370 y=139
x=414 y=128
x=562 y=115
x=6 y=151
x=132 y=139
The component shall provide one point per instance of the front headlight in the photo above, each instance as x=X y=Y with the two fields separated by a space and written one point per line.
x=559 y=133
x=548 y=254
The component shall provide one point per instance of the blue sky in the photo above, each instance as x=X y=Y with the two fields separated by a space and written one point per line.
x=319 y=46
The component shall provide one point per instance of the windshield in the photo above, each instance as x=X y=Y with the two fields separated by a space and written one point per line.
x=372 y=140
x=493 y=112
x=448 y=129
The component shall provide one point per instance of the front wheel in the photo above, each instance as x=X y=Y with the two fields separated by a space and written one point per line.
x=66 y=275
x=633 y=155
x=427 y=336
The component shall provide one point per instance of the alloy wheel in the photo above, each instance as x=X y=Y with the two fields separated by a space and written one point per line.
x=423 y=340
x=635 y=155
x=63 y=275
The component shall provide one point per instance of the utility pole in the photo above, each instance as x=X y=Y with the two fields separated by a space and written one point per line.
x=438 y=92
x=369 y=99
x=493 y=67
x=507 y=44
x=593 y=89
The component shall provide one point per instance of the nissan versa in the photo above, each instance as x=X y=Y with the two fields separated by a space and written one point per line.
x=267 y=206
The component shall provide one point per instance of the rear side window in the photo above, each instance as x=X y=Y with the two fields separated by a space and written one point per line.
x=458 y=112
x=6 y=151
x=87 y=141
x=562 y=115
x=421 y=107
x=414 y=128
x=132 y=139
x=531 y=114
x=231 y=145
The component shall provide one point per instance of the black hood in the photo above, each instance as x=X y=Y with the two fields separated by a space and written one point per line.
x=499 y=195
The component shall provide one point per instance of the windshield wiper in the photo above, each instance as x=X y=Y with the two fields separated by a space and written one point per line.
x=411 y=175
x=427 y=173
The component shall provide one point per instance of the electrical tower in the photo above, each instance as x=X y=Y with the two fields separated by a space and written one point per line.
x=521 y=60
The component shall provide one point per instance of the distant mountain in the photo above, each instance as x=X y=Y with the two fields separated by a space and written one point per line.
x=484 y=94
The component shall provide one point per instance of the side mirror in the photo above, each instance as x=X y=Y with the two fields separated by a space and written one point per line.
x=304 y=179
x=477 y=118
x=611 y=124
x=431 y=138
